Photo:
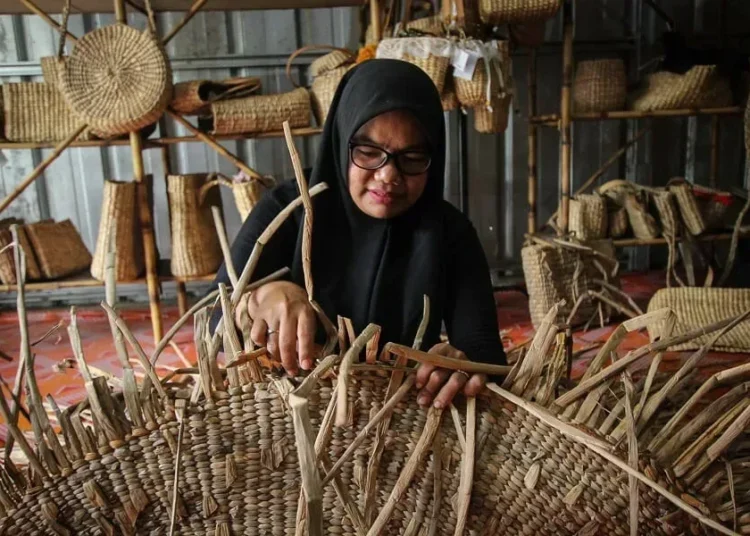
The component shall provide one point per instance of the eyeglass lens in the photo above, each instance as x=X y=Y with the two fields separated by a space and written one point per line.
x=371 y=158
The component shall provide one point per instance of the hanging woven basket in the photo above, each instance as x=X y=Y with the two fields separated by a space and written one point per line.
x=247 y=191
x=119 y=231
x=491 y=76
x=600 y=86
x=262 y=113
x=195 y=245
x=431 y=54
x=492 y=119
x=117 y=79
x=195 y=97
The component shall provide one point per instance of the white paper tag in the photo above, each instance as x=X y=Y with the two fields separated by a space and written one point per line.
x=466 y=65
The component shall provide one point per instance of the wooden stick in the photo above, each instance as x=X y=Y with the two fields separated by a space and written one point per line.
x=197 y=5
x=121 y=15
x=632 y=452
x=31 y=6
x=467 y=467
x=342 y=401
x=179 y=412
x=34 y=175
x=554 y=119
x=603 y=451
x=224 y=244
x=532 y=139
x=21 y=440
x=432 y=425
x=145 y=216
x=232 y=347
x=565 y=118
x=447 y=362
x=377 y=31
x=215 y=145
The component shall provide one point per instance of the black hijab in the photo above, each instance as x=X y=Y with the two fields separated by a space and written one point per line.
x=364 y=268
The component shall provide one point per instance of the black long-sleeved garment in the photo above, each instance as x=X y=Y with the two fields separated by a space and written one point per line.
x=378 y=270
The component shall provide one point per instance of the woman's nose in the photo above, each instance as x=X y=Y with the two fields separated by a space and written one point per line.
x=388 y=173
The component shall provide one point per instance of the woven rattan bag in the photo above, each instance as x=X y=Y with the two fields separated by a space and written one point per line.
x=555 y=272
x=517 y=11
x=699 y=306
x=195 y=245
x=247 y=191
x=117 y=78
x=481 y=72
x=7 y=264
x=195 y=97
x=431 y=54
x=634 y=199
x=703 y=86
x=36 y=112
x=119 y=231
x=59 y=248
x=669 y=219
x=588 y=216
x=600 y=86
x=262 y=113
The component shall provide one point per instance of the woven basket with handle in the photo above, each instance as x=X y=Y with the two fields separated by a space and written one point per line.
x=262 y=113
x=247 y=191
x=690 y=211
x=669 y=219
x=7 y=263
x=59 y=248
x=515 y=11
x=491 y=78
x=431 y=54
x=600 y=86
x=195 y=97
x=588 y=216
x=119 y=231
x=195 y=244
x=703 y=86
x=699 y=306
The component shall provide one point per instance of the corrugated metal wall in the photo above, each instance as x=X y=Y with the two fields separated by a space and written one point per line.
x=222 y=44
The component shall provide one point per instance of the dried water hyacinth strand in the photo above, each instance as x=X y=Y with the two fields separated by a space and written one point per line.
x=534 y=361
x=632 y=452
x=466 y=483
x=232 y=347
x=308 y=463
x=342 y=402
x=635 y=355
x=221 y=232
x=473 y=367
x=180 y=415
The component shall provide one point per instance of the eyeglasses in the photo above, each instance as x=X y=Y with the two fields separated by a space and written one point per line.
x=370 y=157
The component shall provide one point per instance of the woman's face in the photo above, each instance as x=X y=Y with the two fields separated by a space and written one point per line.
x=388 y=191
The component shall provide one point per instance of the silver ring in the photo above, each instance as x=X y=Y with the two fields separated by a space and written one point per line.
x=271 y=332
x=468 y=376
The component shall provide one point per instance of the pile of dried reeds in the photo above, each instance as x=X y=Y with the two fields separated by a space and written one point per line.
x=347 y=450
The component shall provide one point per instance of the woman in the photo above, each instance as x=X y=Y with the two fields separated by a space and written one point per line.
x=383 y=236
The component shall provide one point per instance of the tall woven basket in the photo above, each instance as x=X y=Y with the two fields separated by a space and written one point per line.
x=431 y=54
x=119 y=231
x=59 y=248
x=262 y=113
x=699 y=306
x=600 y=86
x=117 y=79
x=195 y=244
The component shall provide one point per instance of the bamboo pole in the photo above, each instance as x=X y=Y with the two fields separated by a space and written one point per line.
x=211 y=142
x=197 y=5
x=565 y=119
x=715 y=135
x=34 y=175
x=532 y=186
x=31 y=6
x=375 y=20
x=554 y=119
x=147 y=230
x=121 y=16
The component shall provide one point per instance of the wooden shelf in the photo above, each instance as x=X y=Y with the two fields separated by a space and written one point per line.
x=553 y=119
x=160 y=142
x=13 y=7
x=626 y=242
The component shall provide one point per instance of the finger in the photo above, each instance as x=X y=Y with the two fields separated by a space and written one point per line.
x=450 y=389
x=287 y=338
x=258 y=333
x=305 y=337
x=475 y=384
x=239 y=312
x=437 y=379
x=423 y=374
x=439 y=348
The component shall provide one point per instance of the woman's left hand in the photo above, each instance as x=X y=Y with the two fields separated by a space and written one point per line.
x=439 y=386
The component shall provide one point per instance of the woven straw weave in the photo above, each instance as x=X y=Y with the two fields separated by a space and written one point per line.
x=492 y=121
x=428 y=25
x=588 y=216
x=195 y=244
x=322 y=91
x=118 y=79
x=7 y=263
x=35 y=112
x=666 y=209
x=474 y=92
x=195 y=97
x=246 y=196
x=431 y=54
x=59 y=248
x=448 y=97
x=698 y=306
x=642 y=222
x=51 y=67
x=617 y=220
x=264 y=113
x=328 y=62
x=689 y=209
x=600 y=86
x=514 y=11
x=701 y=87
x=119 y=230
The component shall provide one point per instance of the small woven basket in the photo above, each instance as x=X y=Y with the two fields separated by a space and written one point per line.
x=59 y=248
x=263 y=113
x=699 y=306
x=588 y=216
x=600 y=86
x=643 y=223
x=7 y=263
x=246 y=192
x=515 y=11
x=119 y=231
x=195 y=97
x=669 y=218
x=431 y=54
x=492 y=120
x=492 y=73
x=690 y=211
x=117 y=79
x=195 y=244
x=701 y=87
x=35 y=112
x=322 y=91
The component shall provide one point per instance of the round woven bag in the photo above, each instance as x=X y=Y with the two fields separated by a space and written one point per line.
x=600 y=86
x=117 y=79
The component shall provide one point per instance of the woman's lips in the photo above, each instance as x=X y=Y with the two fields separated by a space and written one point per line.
x=382 y=198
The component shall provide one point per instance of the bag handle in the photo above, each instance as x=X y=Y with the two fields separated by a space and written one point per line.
x=309 y=48
x=239 y=87
x=220 y=179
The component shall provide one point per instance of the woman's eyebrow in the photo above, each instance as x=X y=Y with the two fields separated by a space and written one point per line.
x=361 y=138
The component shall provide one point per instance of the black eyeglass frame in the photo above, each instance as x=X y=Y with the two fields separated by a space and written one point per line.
x=388 y=157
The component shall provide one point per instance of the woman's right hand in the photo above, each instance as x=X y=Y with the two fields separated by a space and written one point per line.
x=283 y=321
